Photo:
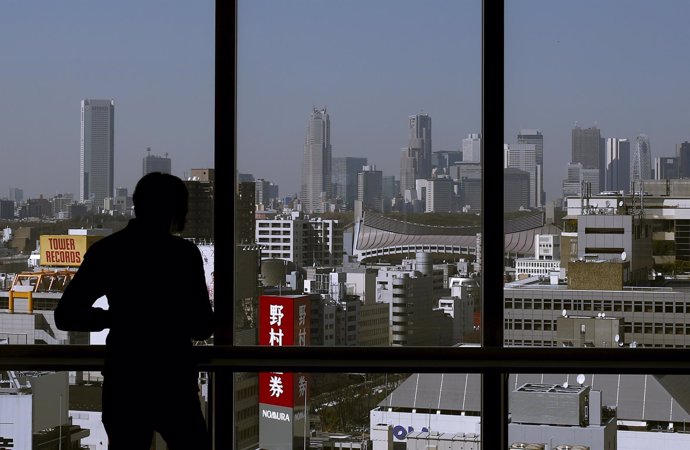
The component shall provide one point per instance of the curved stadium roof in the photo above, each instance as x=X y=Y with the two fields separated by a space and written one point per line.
x=380 y=232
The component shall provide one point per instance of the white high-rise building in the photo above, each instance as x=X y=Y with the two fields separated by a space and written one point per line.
x=471 y=148
x=97 y=151
x=641 y=160
x=316 y=167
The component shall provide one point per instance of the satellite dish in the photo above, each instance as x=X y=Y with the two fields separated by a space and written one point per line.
x=564 y=313
x=603 y=315
x=616 y=338
x=565 y=385
x=633 y=344
x=620 y=203
x=623 y=256
x=581 y=379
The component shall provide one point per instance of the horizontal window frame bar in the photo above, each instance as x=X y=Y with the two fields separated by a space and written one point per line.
x=375 y=359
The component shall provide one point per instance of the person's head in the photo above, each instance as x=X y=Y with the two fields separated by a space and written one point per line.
x=161 y=199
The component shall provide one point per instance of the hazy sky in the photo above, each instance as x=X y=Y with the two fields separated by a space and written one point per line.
x=622 y=65
x=154 y=58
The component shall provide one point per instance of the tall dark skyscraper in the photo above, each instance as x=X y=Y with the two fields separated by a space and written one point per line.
x=415 y=160
x=527 y=136
x=316 y=166
x=588 y=150
x=420 y=140
x=683 y=153
x=97 y=155
x=345 y=170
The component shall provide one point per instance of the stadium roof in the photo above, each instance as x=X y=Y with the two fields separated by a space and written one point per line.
x=377 y=232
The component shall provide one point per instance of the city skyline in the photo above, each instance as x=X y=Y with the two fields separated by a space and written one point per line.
x=155 y=60
x=556 y=77
x=371 y=81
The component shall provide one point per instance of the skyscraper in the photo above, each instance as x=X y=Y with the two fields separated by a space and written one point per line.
x=666 y=167
x=345 y=170
x=370 y=188
x=316 y=167
x=641 y=160
x=153 y=163
x=535 y=137
x=415 y=159
x=471 y=148
x=588 y=149
x=523 y=157
x=617 y=174
x=683 y=154
x=97 y=151
x=420 y=140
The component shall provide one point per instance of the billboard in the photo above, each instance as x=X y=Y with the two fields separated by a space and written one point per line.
x=284 y=320
x=283 y=396
x=64 y=250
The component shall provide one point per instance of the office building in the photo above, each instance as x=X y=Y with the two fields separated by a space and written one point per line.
x=266 y=194
x=471 y=148
x=683 y=153
x=154 y=163
x=442 y=160
x=414 y=316
x=200 y=214
x=516 y=189
x=409 y=161
x=523 y=157
x=61 y=203
x=605 y=411
x=439 y=196
x=528 y=136
x=666 y=168
x=641 y=160
x=7 y=209
x=617 y=173
x=316 y=167
x=370 y=188
x=420 y=141
x=306 y=242
x=391 y=187
x=345 y=170
x=96 y=174
x=17 y=195
x=577 y=178
x=588 y=149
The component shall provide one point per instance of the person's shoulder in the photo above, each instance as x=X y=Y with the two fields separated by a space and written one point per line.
x=185 y=245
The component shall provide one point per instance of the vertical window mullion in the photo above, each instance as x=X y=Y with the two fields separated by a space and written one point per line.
x=494 y=398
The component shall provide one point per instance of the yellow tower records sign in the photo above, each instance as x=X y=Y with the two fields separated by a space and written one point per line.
x=65 y=250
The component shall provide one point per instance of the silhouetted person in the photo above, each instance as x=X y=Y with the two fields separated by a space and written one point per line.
x=157 y=304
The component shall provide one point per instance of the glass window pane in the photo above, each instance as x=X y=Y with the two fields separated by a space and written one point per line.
x=341 y=196
x=94 y=97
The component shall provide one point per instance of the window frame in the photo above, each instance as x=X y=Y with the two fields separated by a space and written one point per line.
x=492 y=360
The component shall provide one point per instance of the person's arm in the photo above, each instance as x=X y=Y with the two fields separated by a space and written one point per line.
x=75 y=311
